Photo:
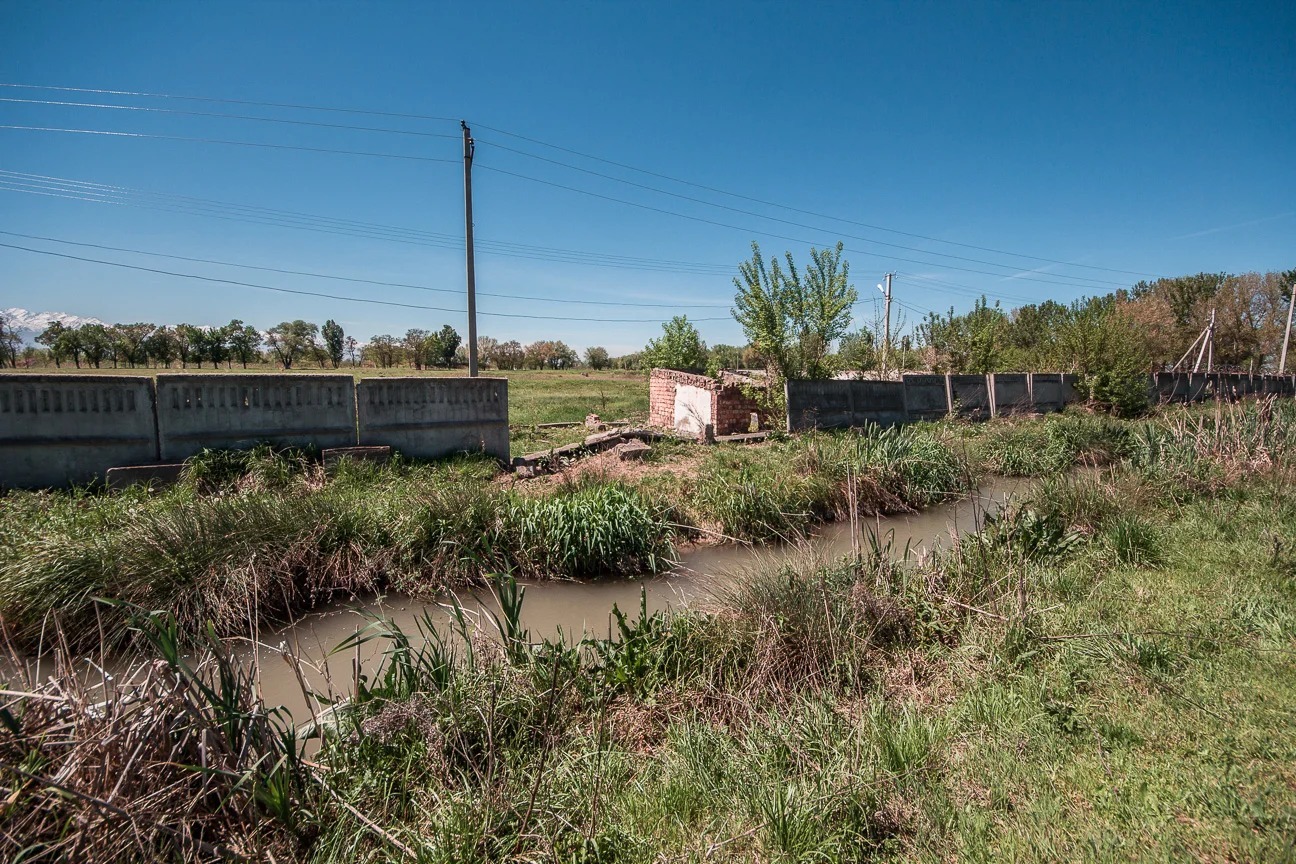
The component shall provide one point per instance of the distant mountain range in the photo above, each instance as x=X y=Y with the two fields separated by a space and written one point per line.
x=29 y=325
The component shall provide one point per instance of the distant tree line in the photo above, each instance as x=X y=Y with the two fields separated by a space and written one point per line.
x=288 y=345
x=150 y=345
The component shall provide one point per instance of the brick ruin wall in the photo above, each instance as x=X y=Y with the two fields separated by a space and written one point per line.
x=731 y=407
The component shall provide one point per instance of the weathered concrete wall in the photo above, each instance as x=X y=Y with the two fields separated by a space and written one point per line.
x=1046 y=392
x=969 y=396
x=59 y=430
x=926 y=396
x=240 y=411
x=1009 y=393
x=426 y=418
x=842 y=404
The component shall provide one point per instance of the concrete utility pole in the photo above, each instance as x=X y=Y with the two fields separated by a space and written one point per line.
x=1209 y=336
x=1282 y=364
x=886 y=331
x=468 y=147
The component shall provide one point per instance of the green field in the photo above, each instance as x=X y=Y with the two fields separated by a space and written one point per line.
x=534 y=396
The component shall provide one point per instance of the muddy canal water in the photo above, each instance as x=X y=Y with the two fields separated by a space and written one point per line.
x=576 y=608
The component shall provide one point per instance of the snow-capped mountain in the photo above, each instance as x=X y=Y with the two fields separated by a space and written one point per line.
x=30 y=324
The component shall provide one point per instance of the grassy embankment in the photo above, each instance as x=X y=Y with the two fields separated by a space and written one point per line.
x=261 y=535
x=535 y=397
x=1105 y=673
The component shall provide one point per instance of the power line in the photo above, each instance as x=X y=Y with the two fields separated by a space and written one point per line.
x=797 y=209
x=716 y=223
x=776 y=218
x=214 y=99
x=332 y=296
x=225 y=141
x=251 y=214
x=357 y=280
x=227 y=116
x=717 y=190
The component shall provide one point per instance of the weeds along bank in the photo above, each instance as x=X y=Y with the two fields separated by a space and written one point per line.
x=258 y=535
x=1103 y=673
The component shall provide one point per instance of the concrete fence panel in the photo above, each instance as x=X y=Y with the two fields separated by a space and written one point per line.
x=60 y=430
x=240 y=411
x=1009 y=393
x=926 y=396
x=1071 y=388
x=1046 y=391
x=843 y=404
x=427 y=418
x=969 y=396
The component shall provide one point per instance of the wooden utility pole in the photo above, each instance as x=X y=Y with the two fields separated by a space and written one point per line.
x=886 y=327
x=468 y=147
x=1282 y=364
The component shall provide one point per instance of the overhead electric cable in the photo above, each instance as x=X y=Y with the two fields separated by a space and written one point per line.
x=298 y=107
x=228 y=116
x=706 y=221
x=781 y=221
x=362 y=281
x=332 y=296
x=233 y=143
x=173 y=203
x=574 y=152
x=797 y=209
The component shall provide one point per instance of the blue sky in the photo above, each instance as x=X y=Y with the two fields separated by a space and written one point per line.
x=1146 y=138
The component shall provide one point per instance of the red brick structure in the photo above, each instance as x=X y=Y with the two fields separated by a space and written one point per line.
x=687 y=402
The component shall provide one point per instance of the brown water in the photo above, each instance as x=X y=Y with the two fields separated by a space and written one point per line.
x=572 y=609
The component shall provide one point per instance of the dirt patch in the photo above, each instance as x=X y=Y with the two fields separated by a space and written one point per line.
x=608 y=466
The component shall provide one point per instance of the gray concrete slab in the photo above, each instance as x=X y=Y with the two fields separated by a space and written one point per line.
x=240 y=411
x=969 y=396
x=428 y=418
x=156 y=476
x=837 y=404
x=1009 y=393
x=926 y=396
x=62 y=430
x=1046 y=391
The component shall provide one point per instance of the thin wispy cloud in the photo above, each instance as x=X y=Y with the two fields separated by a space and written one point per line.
x=1247 y=224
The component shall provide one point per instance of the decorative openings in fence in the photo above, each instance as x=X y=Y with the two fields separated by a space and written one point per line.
x=57 y=430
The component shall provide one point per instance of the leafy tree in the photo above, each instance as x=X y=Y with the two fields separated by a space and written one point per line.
x=9 y=342
x=383 y=350
x=793 y=318
x=62 y=341
x=416 y=346
x=596 y=357
x=679 y=347
x=243 y=341
x=128 y=342
x=721 y=357
x=291 y=340
x=486 y=351
x=191 y=345
x=334 y=341
x=972 y=343
x=441 y=346
x=352 y=346
x=633 y=360
x=214 y=346
x=163 y=346
x=509 y=355
x=857 y=351
x=96 y=343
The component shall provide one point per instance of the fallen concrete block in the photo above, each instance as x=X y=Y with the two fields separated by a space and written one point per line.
x=371 y=453
x=631 y=450
x=154 y=476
